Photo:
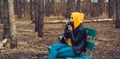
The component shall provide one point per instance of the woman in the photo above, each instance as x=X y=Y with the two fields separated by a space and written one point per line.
x=74 y=39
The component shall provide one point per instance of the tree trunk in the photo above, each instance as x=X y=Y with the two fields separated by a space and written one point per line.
x=19 y=9
x=53 y=11
x=106 y=8
x=117 y=13
x=41 y=23
x=15 y=6
x=110 y=9
x=101 y=7
x=95 y=9
x=1 y=11
x=37 y=15
x=6 y=22
x=78 y=6
x=32 y=10
x=23 y=3
x=63 y=7
x=70 y=7
x=13 y=40
x=48 y=8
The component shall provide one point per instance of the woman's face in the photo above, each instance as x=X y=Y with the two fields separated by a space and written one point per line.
x=70 y=28
x=71 y=18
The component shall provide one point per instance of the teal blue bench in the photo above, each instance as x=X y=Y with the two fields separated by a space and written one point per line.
x=90 y=45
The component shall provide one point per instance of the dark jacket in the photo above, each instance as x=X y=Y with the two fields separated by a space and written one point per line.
x=78 y=39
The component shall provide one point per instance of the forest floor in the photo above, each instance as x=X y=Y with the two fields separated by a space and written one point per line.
x=30 y=46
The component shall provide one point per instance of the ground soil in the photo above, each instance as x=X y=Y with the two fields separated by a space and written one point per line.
x=30 y=46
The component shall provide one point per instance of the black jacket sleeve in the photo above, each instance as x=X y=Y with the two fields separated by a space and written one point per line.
x=79 y=40
x=79 y=36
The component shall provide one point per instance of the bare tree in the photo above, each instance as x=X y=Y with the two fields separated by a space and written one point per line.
x=1 y=11
x=95 y=8
x=15 y=6
x=41 y=23
x=19 y=9
x=6 y=26
x=117 y=13
x=101 y=7
x=39 y=14
x=70 y=7
x=13 y=40
x=36 y=14
x=53 y=11
x=32 y=10
x=48 y=8
x=111 y=5
x=86 y=7
x=63 y=7
x=78 y=6
x=23 y=3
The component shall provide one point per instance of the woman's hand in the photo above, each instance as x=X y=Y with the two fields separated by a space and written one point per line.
x=70 y=28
